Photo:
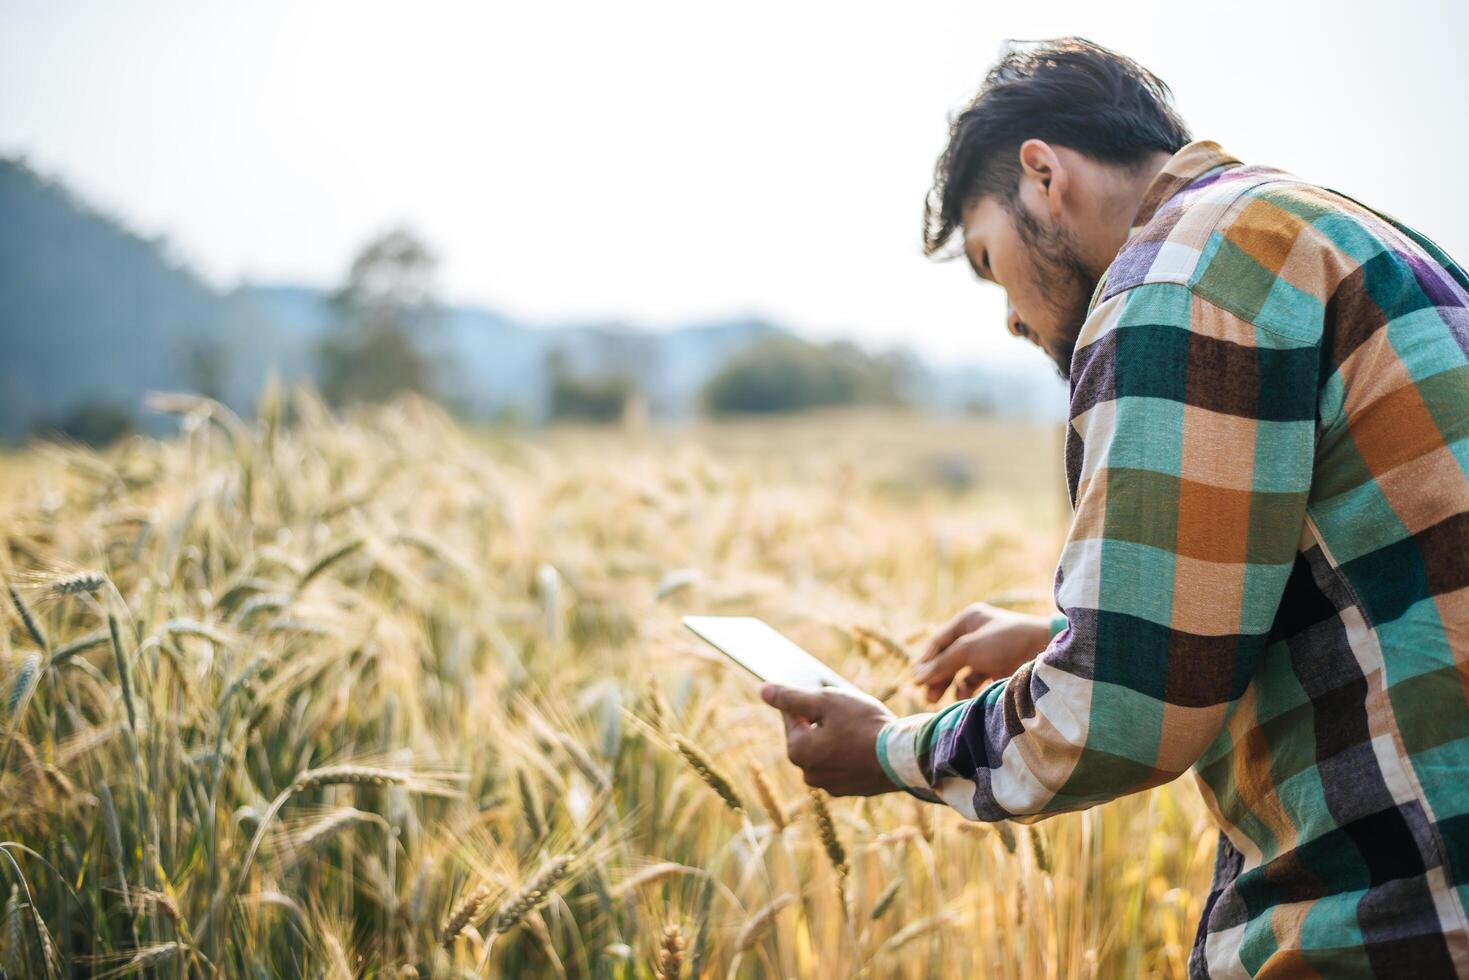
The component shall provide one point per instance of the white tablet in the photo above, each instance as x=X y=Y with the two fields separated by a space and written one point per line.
x=756 y=646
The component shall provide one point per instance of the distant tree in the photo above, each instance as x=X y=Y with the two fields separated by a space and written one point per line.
x=94 y=421
x=787 y=374
x=204 y=365
x=383 y=307
x=583 y=398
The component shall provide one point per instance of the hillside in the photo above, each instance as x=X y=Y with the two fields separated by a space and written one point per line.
x=92 y=313
x=93 y=316
x=88 y=309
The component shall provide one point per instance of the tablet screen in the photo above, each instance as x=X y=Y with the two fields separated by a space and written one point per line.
x=755 y=645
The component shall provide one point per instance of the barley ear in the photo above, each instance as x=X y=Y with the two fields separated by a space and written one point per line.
x=669 y=965
x=27 y=620
x=462 y=915
x=709 y=772
x=885 y=899
x=826 y=829
x=1039 y=849
x=533 y=894
x=768 y=800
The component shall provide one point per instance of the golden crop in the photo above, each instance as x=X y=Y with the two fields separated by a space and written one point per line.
x=377 y=696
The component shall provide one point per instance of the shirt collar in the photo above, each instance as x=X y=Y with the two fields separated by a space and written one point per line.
x=1182 y=169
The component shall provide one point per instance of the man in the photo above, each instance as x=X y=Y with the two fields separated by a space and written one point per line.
x=1266 y=579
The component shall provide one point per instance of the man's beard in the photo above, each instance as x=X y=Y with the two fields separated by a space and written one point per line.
x=1062 y=278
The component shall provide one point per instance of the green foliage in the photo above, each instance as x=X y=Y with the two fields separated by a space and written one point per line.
x=205 y=365
x=574 y=397
x=371 y=364
x=95 y=422
x=786 y=374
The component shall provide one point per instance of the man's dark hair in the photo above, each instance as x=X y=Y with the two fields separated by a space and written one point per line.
x=1068 y=92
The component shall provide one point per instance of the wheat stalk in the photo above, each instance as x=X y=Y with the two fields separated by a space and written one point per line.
x=1038 y=849
x=658 y=707
x=766 y=794
x=235 y=675
x=894 y=650
x=336 y=775
x=758 y=922
x=885 y=899
x=27 y=620
x=341 y=551
x=146 y=958
x=913 y=930
x=827 y=831
x=709 y=772
x=530 y=803
x=192 y=627
x=113 y=834
x=650 y=875
x=80 y=645
x=533 y=894
x=349 y=775
x=669 y=964
x=166 y=906
x=15 y=942
x=264 y=602
x=340 y=967
x=22 y=684
x=329 y=826
x=78 y=583
x=462 y=914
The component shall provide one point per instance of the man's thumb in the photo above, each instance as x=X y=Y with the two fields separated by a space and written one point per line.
x=792 y=700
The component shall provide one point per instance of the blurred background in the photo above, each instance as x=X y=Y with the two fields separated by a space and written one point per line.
x=646 y=213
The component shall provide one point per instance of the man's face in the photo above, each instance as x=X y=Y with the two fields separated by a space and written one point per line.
x=1036 y=261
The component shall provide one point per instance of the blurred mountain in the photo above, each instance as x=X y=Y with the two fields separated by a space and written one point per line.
x=88 y=309
x=93 y=315
x=487 y=362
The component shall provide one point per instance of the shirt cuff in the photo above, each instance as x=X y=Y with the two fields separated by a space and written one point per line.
x=897 y=753
x=1058 y=623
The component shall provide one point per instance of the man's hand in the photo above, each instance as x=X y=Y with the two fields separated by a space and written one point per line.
x=984 y=642
x=831 y=736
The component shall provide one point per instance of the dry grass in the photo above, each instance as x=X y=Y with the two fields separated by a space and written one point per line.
x=373 y=697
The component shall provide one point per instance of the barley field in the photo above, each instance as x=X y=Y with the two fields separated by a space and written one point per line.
x=379 y=696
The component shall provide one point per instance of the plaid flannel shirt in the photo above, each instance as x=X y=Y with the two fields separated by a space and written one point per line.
x=1266 y=578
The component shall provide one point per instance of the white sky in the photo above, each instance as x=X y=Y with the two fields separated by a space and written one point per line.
x=659 y=162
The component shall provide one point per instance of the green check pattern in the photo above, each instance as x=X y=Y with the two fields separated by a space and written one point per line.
x=1266 y=578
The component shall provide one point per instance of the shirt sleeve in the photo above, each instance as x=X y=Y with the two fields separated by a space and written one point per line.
x=1189 y=463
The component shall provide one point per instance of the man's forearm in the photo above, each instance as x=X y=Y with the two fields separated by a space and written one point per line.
x=900 y=745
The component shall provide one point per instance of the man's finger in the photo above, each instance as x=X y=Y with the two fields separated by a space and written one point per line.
x=794 y=700
x=941 y=669
x=974 y=651
x=947 y=634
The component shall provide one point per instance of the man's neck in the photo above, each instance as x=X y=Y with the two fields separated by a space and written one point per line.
x=1135 y=186
x=1123 y=200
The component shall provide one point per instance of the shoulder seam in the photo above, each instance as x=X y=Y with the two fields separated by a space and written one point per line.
x=1189 y=288
x=1228 y=205
x=1190 y=282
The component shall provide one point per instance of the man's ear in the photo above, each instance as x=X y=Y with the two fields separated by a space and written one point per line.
x=1042 y=169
